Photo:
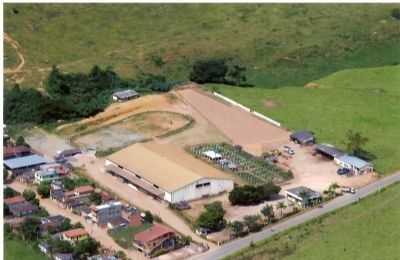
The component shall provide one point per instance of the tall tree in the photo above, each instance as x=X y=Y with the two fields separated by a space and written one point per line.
x=268 y=212
x=355 y=141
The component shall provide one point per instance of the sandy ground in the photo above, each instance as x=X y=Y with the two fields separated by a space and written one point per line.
x=97 y=233
x=45 y=143
x=252 y=133
x=182 y=253
x=95 y=169
x=317 y=172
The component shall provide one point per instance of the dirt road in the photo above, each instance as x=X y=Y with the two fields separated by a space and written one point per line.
x=97 y=233
x=95 y=169
x=21 y=58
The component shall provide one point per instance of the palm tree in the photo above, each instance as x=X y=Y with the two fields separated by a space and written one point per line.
x=268 y=212
x=281 y=205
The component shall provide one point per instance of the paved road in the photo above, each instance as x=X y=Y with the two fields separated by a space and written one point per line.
x=231 y=247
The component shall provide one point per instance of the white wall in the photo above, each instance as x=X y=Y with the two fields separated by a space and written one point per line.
x=190 y=192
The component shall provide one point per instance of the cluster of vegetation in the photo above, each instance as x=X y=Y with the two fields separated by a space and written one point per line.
x=212 y=217
x=73 y=95
x=218 y=71
x=72 y=183
x=251 y=195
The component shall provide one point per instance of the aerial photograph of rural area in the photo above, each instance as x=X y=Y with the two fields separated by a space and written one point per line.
x=201 y=131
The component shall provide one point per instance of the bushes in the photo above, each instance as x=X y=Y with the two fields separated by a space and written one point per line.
x=218 y=71
x=213 y=217
x=251 y=195
x=44 y=189
x=396 y=13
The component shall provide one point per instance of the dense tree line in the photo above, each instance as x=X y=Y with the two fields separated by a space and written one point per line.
x=251 y=195
x=74 y=95
x=218 y=71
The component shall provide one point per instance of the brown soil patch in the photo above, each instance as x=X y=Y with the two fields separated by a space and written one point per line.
x=270 y=103
x=311 y=85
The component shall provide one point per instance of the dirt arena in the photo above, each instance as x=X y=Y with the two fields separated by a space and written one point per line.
x=241 y=127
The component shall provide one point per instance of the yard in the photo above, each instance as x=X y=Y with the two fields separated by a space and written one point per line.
x=364 y=100
x=15 y=249
x=251 y=169
x=124 y=236
x=367 y=230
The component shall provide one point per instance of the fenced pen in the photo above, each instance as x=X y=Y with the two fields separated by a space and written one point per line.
x=253 y=170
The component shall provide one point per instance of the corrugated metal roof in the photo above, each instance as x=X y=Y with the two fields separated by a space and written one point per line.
x=330 y=150
x=355 y=161
x=26 y=161
x=126 y=94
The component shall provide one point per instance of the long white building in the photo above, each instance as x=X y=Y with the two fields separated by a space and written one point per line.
x=167 y=172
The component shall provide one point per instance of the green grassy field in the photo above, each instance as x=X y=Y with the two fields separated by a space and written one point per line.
x=124 y=237
x=368 y=230
x=365 y=100
x=281 y=44
x=15 y=249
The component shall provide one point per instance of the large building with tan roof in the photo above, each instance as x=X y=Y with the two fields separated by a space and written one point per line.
x=167 y=172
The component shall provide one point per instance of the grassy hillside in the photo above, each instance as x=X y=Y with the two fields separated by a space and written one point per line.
x=368 y=230
x=285 y=44
x=365 y=100
x=15 y=249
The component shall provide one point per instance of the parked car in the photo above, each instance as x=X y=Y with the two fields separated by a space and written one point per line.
x=343 y=171
x=288 y=150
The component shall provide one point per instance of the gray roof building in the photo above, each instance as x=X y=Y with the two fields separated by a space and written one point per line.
x=25 y=162
x=125 y=94
x=303 y=137
x=329 y=151
x=23 y=209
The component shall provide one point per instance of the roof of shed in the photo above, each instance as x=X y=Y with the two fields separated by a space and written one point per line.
x=26 y=161
x=355 y=161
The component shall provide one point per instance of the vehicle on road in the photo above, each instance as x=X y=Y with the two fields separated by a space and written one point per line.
x=343 y=171
x=288 y=150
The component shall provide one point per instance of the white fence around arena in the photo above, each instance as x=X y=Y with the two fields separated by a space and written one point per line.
x=230 y=101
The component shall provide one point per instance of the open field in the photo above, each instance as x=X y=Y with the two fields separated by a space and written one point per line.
x=136 y=128
x=364 y=100
x=367 y=230
x=281 y=44
x=15 y=249
x=242 y=128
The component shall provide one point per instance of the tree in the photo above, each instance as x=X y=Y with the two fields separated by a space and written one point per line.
x=213 y=217
x=121 y=255
x=44 y=189
x=20 y=140
x=9 y=192
x=253 y=223
x=65 y=225
x=236 y=75
x=281 y=205
x=268 y=212
x=61 y=246
x=95 y=197
x=251 y=195
x=5 y=175
x=355 y=142
x=30 y=229
x=30 y=196
x=209 y=71
x=69 y=184
x=396 y=13
x=148 y=217
x=86 y=247
x=237 y=228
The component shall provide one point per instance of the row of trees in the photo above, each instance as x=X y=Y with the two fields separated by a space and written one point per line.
x=73 y=95
x=251 y=195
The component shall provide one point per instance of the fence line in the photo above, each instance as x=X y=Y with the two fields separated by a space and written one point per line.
x=230 y=101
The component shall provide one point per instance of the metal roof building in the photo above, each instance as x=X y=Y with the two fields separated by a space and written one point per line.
x=354 y=163
x=25 y=162
x=303 y=137
x=329 y=151
x=303 y=196
x=125 y=95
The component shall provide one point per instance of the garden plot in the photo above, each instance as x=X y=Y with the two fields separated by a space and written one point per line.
x=251 y=169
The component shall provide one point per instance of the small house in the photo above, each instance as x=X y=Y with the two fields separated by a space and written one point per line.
x=303 y=137
x=75 y=235
x=157 y=237
x=10 y=152
x=303 y=196
x=25 y=208
x=83 y=191
x=355 y=164
x=125 y=95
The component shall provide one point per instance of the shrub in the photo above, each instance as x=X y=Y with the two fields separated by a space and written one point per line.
x=396 y=13
x=148 y=217
x=213 y=217
x=253 y=223
x=251 y=195
x=44 y=189
x=209 y=71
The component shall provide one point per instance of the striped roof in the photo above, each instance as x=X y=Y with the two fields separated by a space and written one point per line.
x=26 y=161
